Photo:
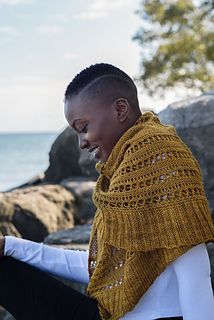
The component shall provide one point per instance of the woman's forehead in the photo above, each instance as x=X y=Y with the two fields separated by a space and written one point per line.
x=77 y=110
x=81 y=106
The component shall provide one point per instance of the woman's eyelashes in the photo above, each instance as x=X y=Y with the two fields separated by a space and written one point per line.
x=81 y=128
x=84 y=129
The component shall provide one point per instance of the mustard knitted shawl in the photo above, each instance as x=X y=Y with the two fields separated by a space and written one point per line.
x=151 y=209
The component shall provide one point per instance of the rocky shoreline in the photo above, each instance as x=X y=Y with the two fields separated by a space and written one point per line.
x=56 y=206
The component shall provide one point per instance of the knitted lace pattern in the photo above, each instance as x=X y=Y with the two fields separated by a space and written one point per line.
x=151 y=208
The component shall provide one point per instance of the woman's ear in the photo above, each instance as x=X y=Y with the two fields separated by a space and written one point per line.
x=121 y=106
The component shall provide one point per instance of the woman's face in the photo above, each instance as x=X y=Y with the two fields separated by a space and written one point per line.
x=96 y=123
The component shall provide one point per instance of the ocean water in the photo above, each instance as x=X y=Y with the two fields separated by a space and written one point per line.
x=23 y=156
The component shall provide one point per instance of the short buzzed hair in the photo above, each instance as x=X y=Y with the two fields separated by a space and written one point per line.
x=103 y=78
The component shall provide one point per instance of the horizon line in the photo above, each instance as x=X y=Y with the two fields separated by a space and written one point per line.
x=30 y=132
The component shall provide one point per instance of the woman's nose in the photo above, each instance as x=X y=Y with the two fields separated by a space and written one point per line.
x=82 y=142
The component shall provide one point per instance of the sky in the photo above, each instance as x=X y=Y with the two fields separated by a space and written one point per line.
x=45 y=43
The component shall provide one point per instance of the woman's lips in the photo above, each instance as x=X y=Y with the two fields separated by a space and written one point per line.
x=94 y=152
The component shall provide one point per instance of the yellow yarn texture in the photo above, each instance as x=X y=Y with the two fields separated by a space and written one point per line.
x=151 y=208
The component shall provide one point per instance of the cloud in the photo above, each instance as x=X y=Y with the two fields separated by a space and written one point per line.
x=38 y=101
x=8 y=30
x=58 y=17
x=101 y=8
x=49 y=29
x=70 y=56
x=15 y=2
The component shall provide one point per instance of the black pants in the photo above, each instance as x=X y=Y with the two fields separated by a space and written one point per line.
x=30 y=294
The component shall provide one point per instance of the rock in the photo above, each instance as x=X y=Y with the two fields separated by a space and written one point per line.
x=4 y=315
x=210 y=247
x=36 y=211
x=6 y=216
x=190 y=113
x=34 y=181
x=64 y=157
x=7 y=228
x=67 y=160
x=82 y=189
x=194 y=121
x=77 y=235
x=87 y=165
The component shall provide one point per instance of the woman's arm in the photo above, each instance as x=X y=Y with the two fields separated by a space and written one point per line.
x=68 y=264
x=194 y=283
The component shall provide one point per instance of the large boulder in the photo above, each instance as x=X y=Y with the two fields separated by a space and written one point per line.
x=4 y=315
x=67 y=160
x=87 y=165
x=210 y=248
x=194 y=121
x=35 y=212
x=63 y=157
x=75 y=236
x=82 y=189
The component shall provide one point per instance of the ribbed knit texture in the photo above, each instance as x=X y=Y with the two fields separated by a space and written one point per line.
x=151 y=208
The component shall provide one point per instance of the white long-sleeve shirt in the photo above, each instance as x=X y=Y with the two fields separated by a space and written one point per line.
x=183 y=289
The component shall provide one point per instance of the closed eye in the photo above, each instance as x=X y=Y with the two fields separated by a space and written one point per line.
x=84 y=129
